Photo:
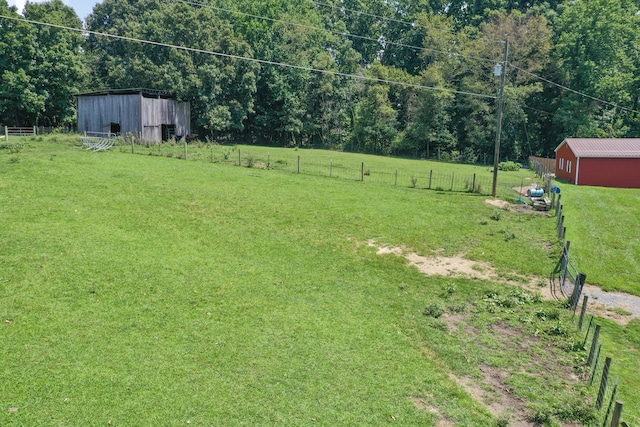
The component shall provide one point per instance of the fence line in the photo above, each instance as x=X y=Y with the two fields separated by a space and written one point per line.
x=432 y=180
x=571 y=283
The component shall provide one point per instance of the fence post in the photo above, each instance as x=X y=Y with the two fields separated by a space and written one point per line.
x=594 y=343
x=473 y=186
x=603 y=382
x=35 y=131
x=6 y=133
x=453 y=177
x=133 y=140
x=431 y=174
x=617 y=414
x=239 y=157
x=595 y=365
x=585 y=300
x=268 y=160
x=588 y=330
x=185 y=149
x=396 y=183
x=362 y=172
x=331 y=168
x=577 y=291
x=611 y=401
x=298 y=164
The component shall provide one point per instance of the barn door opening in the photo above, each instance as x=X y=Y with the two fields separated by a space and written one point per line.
x=115 y=128
x=168 y=132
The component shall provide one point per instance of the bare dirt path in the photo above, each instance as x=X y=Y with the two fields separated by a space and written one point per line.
x=617 y=306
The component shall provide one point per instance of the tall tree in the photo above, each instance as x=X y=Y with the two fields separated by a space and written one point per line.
x=219 y=87
x=59 y=69
x=597 y=51
x=20 y=102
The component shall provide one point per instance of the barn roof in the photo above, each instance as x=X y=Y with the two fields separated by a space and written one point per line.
x=149 y=93
x=603 y=147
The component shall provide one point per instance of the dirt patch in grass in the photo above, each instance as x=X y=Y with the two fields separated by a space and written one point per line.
x=443 y=266
x=619 y=307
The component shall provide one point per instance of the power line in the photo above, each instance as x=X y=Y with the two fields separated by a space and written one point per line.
x=244 y=58
x=575 y=91
x=399 y=21
x=340 y=33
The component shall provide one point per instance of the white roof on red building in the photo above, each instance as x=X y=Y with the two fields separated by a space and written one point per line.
x=603 y=147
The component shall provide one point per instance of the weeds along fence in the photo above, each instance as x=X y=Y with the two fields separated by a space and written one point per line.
x=568 y=282
x=301 y=164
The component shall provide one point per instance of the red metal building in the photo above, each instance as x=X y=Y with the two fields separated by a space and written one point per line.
x=604 y=162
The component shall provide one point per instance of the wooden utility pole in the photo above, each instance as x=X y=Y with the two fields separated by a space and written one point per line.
x=496 y=154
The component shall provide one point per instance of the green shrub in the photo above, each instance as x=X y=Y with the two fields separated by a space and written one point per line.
x=509 y=166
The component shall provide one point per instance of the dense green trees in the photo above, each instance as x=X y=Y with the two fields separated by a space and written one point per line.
x=41 y=66
x=227 y=58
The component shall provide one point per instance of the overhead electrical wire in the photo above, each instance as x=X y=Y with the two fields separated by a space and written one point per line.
x=399 y=21
x=340 y=33
x=244 y=58
x=575 y=91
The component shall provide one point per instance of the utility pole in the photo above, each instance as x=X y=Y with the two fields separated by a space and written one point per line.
x=496 y=154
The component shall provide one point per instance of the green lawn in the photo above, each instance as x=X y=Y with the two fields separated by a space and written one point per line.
x=147 y=290
x=599 y=221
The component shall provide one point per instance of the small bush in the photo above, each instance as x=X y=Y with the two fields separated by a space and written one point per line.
x=496 y=216
x=434 y=310
x=509 y=166
x=414 y=181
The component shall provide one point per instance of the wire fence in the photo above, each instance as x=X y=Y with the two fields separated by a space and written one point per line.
x=332 y=168
x=568 y=282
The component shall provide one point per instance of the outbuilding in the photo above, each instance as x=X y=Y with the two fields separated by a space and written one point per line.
x=604 y=162
x=151 y=115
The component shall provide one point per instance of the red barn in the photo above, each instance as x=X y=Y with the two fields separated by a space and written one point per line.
x=604 y=162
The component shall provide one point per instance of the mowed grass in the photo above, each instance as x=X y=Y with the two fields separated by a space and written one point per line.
x=600 y=225
x=143 y=290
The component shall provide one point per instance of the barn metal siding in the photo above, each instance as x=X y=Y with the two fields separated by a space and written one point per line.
x=157 y=112
x=564 y=155
x=137 y=114
x=608 y=172
x=96 y=113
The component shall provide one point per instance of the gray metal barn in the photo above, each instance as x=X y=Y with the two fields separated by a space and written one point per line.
x=152 y=115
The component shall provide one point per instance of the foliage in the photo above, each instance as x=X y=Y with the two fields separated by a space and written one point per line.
x=509 y=166
x=284 y=73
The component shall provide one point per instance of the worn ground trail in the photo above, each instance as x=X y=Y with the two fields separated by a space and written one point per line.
x=617 y=306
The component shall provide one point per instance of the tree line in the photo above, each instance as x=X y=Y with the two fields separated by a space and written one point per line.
x=408 y=77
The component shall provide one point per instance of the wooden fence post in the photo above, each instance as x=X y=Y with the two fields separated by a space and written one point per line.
x=362 y=172
x=595 y=365
x=239 y=158
x=298 y=164
x=331 y=168
x=185 y=149
x=473 y=186
x=585 y=300
x=603 y=382
x=577 y=291
x=6 y=133
x=431 y=173
x=617 y=414
x=594 y=343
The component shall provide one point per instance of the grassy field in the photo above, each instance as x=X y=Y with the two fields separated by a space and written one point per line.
x=599 y=221
x=145 y=290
